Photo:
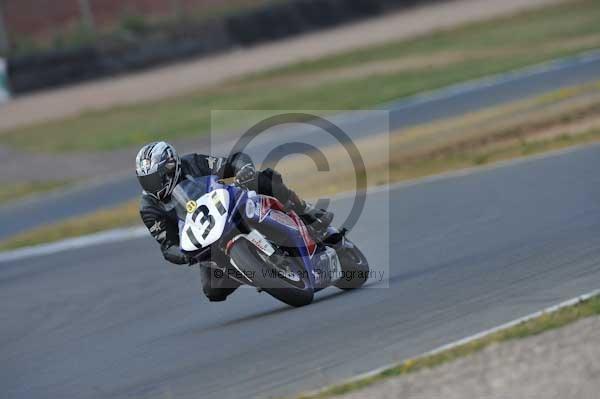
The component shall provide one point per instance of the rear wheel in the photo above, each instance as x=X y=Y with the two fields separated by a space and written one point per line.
x=355 y=268
x=285 y=280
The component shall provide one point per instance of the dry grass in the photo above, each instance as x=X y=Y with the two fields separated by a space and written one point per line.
x=120 y=216
x=553 y=121
x=355 y=79
x=452 y=158
x=436 y=59
x=558 y=120
x=535 y=326
x=13 y=192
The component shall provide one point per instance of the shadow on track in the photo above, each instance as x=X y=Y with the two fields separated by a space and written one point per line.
x=272 y=312
x=283 y=309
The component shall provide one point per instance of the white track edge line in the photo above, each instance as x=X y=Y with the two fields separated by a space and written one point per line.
x=466 y=340
x=102 y=237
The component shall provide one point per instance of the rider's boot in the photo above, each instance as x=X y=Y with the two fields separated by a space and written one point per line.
x=318 y=220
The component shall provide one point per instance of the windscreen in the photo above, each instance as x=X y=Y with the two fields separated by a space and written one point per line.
x=189 y=189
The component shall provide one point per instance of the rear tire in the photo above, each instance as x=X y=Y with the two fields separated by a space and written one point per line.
x=267 y=278
x=355 y=267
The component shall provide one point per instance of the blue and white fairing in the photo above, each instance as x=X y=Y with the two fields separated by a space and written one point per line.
x=211 y=213
x=285 y=230
x=203 y=208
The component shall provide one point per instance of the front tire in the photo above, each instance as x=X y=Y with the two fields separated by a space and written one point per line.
x=355 y=267
x=295 y=290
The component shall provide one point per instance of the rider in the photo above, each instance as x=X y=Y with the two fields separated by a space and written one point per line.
x=159 y=169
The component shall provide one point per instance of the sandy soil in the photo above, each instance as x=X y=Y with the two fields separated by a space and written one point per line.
x=183 y=77
x=558 y=364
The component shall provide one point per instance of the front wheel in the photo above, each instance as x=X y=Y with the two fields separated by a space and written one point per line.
x=286 y=280
x=355 y=268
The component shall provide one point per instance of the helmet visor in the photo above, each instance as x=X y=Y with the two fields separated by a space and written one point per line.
x=153 y=183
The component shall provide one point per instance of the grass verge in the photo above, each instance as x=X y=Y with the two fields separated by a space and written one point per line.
x=557 y=120
x=120 y=216
x=424 y=63
x=456 y=160
x=549 y=321
x=12 y=192
x=128 y=214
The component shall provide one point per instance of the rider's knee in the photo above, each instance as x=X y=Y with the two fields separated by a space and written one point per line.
x=270 y=183
x=216 y=298
x=218 y=294
x=271 y=177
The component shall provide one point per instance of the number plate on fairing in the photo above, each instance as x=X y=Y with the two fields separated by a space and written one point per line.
x=205 y=221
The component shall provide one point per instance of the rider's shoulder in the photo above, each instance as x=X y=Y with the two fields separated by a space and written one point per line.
x=194 y=159
x=147 y=201
x=201 y=164
x=190 y=157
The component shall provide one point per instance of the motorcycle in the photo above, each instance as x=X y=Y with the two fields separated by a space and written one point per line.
x=262 y=244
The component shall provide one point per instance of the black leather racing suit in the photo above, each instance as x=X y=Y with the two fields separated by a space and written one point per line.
x=163 y=224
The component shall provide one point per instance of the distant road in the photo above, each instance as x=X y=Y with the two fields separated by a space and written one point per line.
x=428 y=107
x=467 y=253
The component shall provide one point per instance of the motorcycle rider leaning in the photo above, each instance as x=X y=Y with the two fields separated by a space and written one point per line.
x=159 y=169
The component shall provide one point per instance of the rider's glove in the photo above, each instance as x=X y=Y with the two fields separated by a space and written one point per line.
x=191 y=261
x=245 y=175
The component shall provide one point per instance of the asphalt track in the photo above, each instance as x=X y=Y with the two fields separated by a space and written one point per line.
x=468 y=252
x=428 y=107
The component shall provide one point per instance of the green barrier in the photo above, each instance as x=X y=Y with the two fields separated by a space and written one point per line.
x=4 y=93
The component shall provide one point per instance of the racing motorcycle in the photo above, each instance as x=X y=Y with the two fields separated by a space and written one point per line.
x=262 y=244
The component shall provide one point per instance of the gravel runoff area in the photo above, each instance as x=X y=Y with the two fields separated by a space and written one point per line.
x=183 y=77
x=558 y=364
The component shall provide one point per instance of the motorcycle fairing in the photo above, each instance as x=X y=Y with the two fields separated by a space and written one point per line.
x=205 y=220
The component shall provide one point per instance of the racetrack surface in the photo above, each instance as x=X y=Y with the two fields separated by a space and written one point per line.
x=424 y=108
x=468 y=252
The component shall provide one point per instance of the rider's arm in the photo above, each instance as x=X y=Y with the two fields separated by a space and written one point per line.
x=239 y=165
x=234 y=164
x=202 y=165
x=164 y=232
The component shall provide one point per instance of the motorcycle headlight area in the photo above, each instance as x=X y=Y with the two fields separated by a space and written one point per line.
x=205 y=220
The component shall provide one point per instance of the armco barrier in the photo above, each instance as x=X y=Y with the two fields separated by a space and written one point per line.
x=272 y=22
x=4 y=92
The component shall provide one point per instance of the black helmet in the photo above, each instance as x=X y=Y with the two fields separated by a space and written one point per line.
x=158 y=167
